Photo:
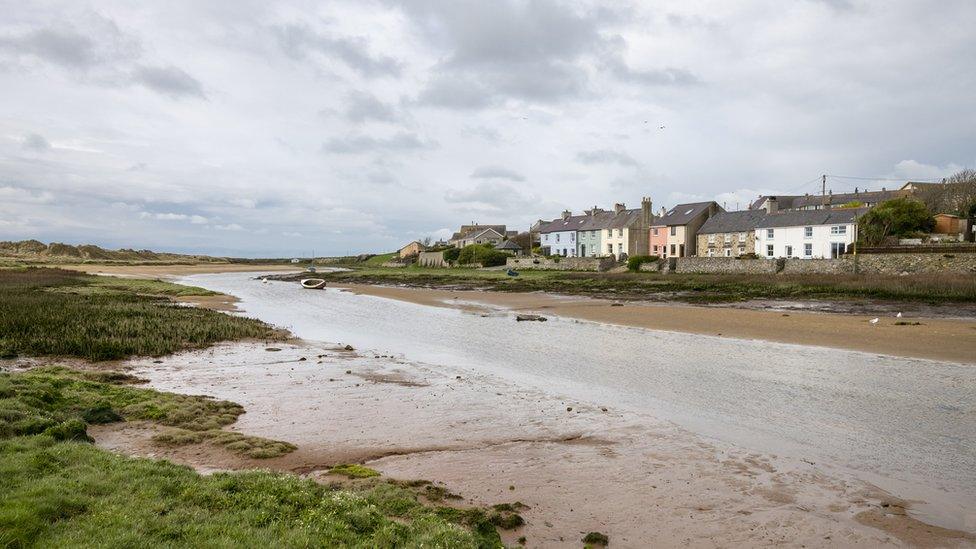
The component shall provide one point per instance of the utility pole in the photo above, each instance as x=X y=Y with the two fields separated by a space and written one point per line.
x=823 y=190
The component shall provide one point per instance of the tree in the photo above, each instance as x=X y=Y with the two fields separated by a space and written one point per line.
x=488 y=256
x=426 y=241
x=898 y=217
x=956 y=195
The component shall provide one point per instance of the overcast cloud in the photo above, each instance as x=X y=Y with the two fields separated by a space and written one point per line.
x=253 y=129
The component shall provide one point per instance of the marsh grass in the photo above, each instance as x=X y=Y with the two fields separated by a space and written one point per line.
x=47 y=399
x=931 y=288
x=354 y=470
x=51 y=312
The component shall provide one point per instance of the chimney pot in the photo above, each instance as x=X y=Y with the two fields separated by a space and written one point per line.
x=619 y=207
x=566 y=214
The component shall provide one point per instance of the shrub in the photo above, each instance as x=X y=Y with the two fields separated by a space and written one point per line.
x=634 y=262
x=898 y=217
x=451 y=254
x=480 y=253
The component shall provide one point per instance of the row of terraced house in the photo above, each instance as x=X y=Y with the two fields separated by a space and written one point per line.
x=808 y=226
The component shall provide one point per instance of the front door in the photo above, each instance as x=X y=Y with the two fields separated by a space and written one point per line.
x=582 y=250
x=837 y=249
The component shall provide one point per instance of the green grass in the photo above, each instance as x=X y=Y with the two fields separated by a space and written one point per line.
x=52 y=312
x=59 y=402
x=353 y=470
x=378 y=260
x=71 y=494
x=931 y=288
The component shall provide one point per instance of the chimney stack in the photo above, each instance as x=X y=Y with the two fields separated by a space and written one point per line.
x=646 y=211
x=772 y=204
x=566 y=214
x=619 y=207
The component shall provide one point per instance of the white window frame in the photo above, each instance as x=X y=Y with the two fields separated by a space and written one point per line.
x=770 y=233
x=808 y=249
x=807 y=232
x=838 y=230
x=742 y=237
x=711 y=239
x=770 y=252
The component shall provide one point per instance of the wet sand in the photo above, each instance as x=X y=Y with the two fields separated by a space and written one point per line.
x=577 y=466
x=936 y=339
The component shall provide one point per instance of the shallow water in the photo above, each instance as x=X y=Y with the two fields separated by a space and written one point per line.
x=908 y=425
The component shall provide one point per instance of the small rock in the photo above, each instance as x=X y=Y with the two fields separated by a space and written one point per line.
x=616 y=304
x=569 y=408
x=530 y=318
x=348 y=348
x=301 y=359
x=603 y=409
x=348 y=371
x=157 y=362
x=457 y=377
x=272 y=349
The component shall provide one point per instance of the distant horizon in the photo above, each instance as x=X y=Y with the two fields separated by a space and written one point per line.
x=254 y=130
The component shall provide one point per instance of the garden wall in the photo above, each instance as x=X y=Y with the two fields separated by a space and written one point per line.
x=432 y=259
x=562 y=264
x=724 y=265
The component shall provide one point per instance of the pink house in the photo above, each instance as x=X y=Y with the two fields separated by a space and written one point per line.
x=658 y=244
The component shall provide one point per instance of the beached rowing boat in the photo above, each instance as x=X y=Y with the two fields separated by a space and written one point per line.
x=313 y=283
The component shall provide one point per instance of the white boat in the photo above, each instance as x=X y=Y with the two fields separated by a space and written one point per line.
x=313 y=283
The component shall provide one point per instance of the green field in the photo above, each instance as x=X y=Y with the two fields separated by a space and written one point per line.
x=52 y=312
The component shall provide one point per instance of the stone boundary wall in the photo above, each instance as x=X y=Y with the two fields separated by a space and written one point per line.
x=432 y=259
x=818 y=266
x=884 y=264
x=896 y=264
x=724 y=265
x=564 y=263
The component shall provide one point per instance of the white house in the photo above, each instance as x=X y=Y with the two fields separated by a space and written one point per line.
x=807 y=234
x=559 y=235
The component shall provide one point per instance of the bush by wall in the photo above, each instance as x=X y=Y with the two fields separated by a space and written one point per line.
x=487 y=256
x=634 y=262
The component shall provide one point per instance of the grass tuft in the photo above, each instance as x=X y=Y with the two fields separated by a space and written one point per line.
x=353 y=470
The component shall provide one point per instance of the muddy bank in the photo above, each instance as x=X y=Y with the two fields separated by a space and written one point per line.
x=174 y=271
x=578 y=466
x=936 y=339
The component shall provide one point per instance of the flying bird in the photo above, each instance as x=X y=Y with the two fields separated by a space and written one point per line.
x=662 y=127
x=874 y=320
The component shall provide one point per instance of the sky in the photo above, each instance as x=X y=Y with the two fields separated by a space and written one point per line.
x=260 y=129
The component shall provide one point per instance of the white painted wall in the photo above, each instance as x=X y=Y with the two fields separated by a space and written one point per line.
x=820 y=241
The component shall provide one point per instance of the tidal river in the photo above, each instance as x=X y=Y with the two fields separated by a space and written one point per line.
x=906 y=425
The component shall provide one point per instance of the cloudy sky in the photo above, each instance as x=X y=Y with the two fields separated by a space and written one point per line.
x=236 y=127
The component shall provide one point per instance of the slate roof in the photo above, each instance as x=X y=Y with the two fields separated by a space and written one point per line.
x=594 y=222
x=783 y=202
x=468 y=229
x=840 y=199
x=801 y=218
x=683 y=213
x=474 y=235
x=571 y=223
x=509 y=245
x=733 y=222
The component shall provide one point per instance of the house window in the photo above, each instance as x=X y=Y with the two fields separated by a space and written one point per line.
x=742 y=250
x=672 y=249
x=789 y=251
x=655 y=231
x=728 y=237
x=609 y=233
x=838 y=229
x=620 y=232
x=711 y=253
x=545 y=237
x=807 y=232
x=674 y=230
x=742 y=237
x=769 y=233
x=728 y=252
x=655 y=249
x=769 y=250
x=610 y=249
x=557 y=237
x=837 y=249
x=572 y=237
x=808 y=250
x=620 y=248
x=711 y=238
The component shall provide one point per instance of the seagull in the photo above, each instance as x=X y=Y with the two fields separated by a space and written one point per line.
x=662 y=127
x=898 y=315
x=874 y=320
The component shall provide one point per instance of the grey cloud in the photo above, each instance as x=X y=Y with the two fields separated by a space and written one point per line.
x=669 y=76
x=496 y=172
x=605 y=156
x=363 y=106
x=496 y=195
x=64 y=47
x=299 y=41
x=358 y=144
x=171 y=81
x=36 y=142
